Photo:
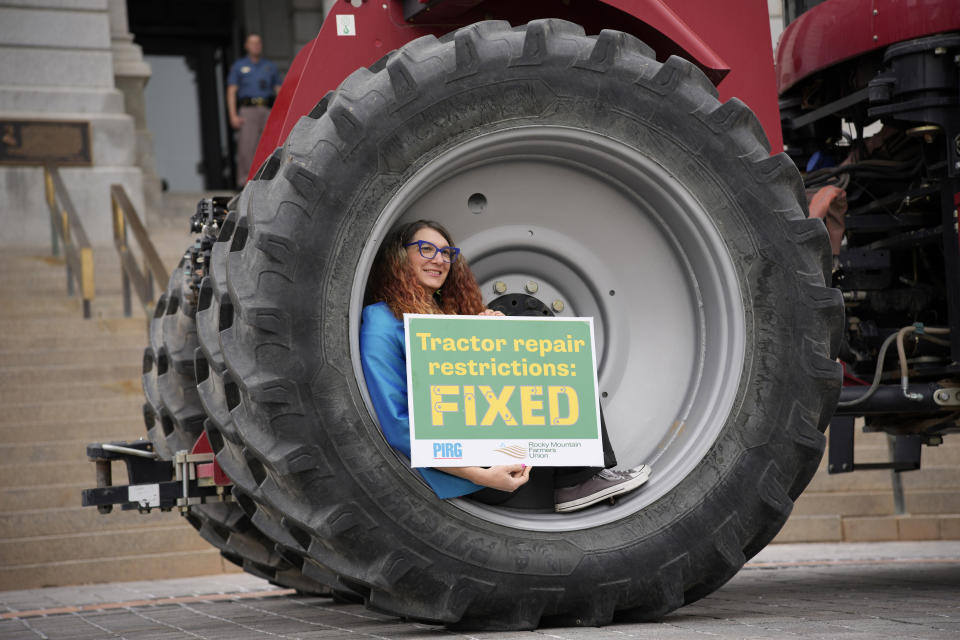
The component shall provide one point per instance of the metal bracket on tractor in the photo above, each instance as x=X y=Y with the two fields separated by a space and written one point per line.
x=192 y=477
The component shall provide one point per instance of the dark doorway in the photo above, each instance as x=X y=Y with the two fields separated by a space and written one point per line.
x=205 y=36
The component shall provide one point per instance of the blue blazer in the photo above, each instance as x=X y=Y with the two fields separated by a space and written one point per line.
x=383 y=356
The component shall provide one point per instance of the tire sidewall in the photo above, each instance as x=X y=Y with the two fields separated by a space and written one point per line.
x=683 y=145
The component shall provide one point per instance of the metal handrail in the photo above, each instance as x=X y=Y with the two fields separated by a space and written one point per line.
x=124 y=216
x=65 y=227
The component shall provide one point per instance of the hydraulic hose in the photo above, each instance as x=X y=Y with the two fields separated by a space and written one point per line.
x=901 y=353
x=876 y=375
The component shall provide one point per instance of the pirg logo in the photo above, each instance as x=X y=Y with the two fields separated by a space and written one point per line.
x=447 y=451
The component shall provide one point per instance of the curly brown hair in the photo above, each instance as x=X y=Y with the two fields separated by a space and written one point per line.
x=394 y=282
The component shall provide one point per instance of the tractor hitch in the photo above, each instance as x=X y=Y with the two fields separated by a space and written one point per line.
x=192 y=477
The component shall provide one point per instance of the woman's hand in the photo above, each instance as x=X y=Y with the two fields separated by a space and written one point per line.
x=505 y=477
x=490 y=312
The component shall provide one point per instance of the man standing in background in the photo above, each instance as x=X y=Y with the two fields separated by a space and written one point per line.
x=252 y=84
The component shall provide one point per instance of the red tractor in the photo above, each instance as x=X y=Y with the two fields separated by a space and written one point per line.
x=871 y=114
x=580 y=154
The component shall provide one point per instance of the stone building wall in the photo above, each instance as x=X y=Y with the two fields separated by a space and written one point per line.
x=57 y=63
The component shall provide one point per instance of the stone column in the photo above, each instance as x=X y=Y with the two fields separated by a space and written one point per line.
x=56 y=63
x=131 y=74
x=775 y=9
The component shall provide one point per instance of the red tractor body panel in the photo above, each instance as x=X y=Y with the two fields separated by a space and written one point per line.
x=729 y=41
x=839 y=30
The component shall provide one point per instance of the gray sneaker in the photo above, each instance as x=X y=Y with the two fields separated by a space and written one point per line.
x=606 y=484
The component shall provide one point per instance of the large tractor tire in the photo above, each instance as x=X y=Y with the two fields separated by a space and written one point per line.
x=580 y=177
x=172 y=412
x=175 y=416
x=219 y=396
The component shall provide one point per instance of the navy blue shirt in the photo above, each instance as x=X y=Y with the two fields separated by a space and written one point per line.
x=384 y=360
x=254 y=79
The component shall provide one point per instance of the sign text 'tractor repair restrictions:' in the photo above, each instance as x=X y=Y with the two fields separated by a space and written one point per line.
x=494 y=390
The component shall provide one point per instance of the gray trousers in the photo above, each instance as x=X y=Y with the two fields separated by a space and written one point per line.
x=254 y=120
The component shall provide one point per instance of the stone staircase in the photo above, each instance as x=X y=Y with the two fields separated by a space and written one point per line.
x=859 y=506
x=66 y=382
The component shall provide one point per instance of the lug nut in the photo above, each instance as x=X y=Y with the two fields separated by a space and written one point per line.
x=943 y=395
x=499 y=287
x=532 y=287
x=557 y=305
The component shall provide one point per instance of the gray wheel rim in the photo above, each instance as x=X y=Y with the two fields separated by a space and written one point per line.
x=608 y=232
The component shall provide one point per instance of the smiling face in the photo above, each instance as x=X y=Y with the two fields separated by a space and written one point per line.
x=431 y=274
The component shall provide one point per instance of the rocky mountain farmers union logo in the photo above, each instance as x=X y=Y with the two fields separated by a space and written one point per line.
x=514 y=451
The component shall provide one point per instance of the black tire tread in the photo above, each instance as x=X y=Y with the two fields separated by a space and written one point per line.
x=278 y=390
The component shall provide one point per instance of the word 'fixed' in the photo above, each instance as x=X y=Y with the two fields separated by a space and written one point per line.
x=450 y=398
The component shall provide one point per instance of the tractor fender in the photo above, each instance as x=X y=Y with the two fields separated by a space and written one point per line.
x=728 y=41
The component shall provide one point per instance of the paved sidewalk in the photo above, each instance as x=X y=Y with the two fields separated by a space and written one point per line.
x=847 y=591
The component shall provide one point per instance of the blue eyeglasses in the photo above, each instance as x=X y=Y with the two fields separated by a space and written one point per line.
x=429 y=250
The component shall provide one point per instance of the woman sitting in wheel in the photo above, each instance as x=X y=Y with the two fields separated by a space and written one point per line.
x=419 y=269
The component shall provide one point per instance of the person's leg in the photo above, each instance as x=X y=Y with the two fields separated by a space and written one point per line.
x=247 y=137
x=572 y=476
x=576 y=488
x=262 y=114
x=537 y=493
x=581 y=487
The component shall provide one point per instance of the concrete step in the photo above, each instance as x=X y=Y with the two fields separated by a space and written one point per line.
x=108 y=388
x=33 y=265
x=63 y=351
x=880 y=480
x=931 y=478
x=873 y=448
x=55 y=549
x=66 y=450
x=29 y=281
x=38 y=263
x=128 y=427
x=847 y=503
x=157 y=566
x=918 y=501
x=46 y=271
x=77 y=519
x=56 y=381
x=51 y=305
x=68 y=411
x=32 y=474
x=836 y=528
x=932 y=502
x=74 y=327
x=900 y=527
x=54 y=496
x=59 y=305
x=945 y=455
x=811 y=528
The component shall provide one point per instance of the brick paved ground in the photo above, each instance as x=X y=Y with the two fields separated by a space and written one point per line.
x=845 y=591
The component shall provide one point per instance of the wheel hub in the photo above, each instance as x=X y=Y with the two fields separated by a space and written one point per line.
x=520 y=304
x=577 y=224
